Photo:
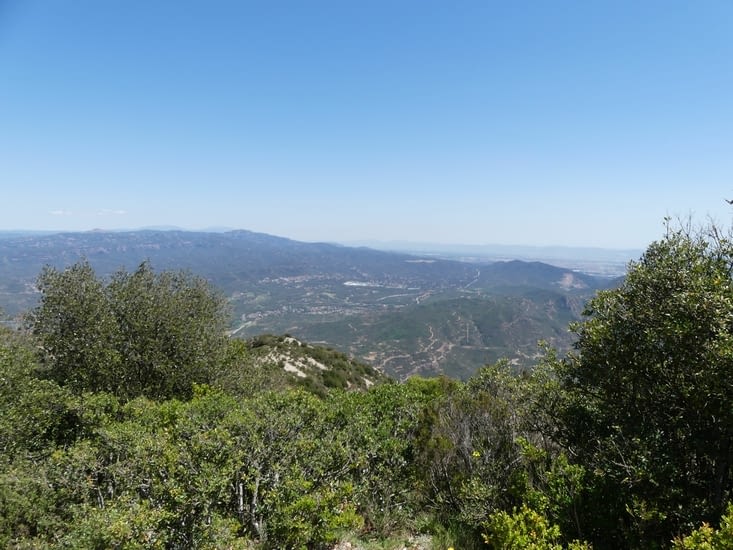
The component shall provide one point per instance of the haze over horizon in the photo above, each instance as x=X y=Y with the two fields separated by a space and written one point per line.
x=576 y=124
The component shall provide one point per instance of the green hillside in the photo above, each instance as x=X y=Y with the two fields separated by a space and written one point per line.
x=399 y=313
x=129 y=420
x=452 y=335
x=281 y=362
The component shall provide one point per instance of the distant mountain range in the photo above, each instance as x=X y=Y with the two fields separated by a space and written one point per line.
x=596 y=261
x=402 y=313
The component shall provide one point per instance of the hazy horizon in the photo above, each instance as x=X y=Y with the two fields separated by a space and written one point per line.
x=387 y=244
x=541 y=124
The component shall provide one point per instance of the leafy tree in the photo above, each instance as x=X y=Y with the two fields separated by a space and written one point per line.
x=708 y=538
x=35 y=414
x=469 y=453
x=483 y=450
x=77 y=328
x=380 y=428
x=646 y=402
x=171 y=330
x=290 y=478
x=144 y=333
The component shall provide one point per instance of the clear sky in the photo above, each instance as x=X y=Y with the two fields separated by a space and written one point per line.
x=580 y=123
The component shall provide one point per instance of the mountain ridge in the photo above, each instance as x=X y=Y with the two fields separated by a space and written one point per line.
x=402 y=312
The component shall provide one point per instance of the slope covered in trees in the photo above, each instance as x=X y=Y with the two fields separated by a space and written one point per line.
x=403 y=314
x=625 y=443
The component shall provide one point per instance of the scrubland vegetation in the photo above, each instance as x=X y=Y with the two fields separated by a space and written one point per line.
x=129 y=421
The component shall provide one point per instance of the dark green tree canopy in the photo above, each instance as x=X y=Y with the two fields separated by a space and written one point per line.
x=650 y=388
x=143 y=333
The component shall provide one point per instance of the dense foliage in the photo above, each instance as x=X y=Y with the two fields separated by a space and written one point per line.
x=648 y=397
x=141 y=334
x=124 y=433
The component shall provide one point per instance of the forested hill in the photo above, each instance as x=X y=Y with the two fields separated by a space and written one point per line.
x=401 y=313
x=129 y=420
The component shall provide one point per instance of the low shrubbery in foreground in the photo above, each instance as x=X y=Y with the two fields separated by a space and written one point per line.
x=127 y=422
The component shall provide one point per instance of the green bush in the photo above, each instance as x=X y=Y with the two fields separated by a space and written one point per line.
x=645 y=405
x=708 y=538
x=524 y=529
x=141 y=334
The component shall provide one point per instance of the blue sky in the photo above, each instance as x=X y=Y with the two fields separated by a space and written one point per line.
x=531 y=122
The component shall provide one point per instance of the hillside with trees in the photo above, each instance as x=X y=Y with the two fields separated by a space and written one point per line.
x=130 y=421
x=400 y=313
